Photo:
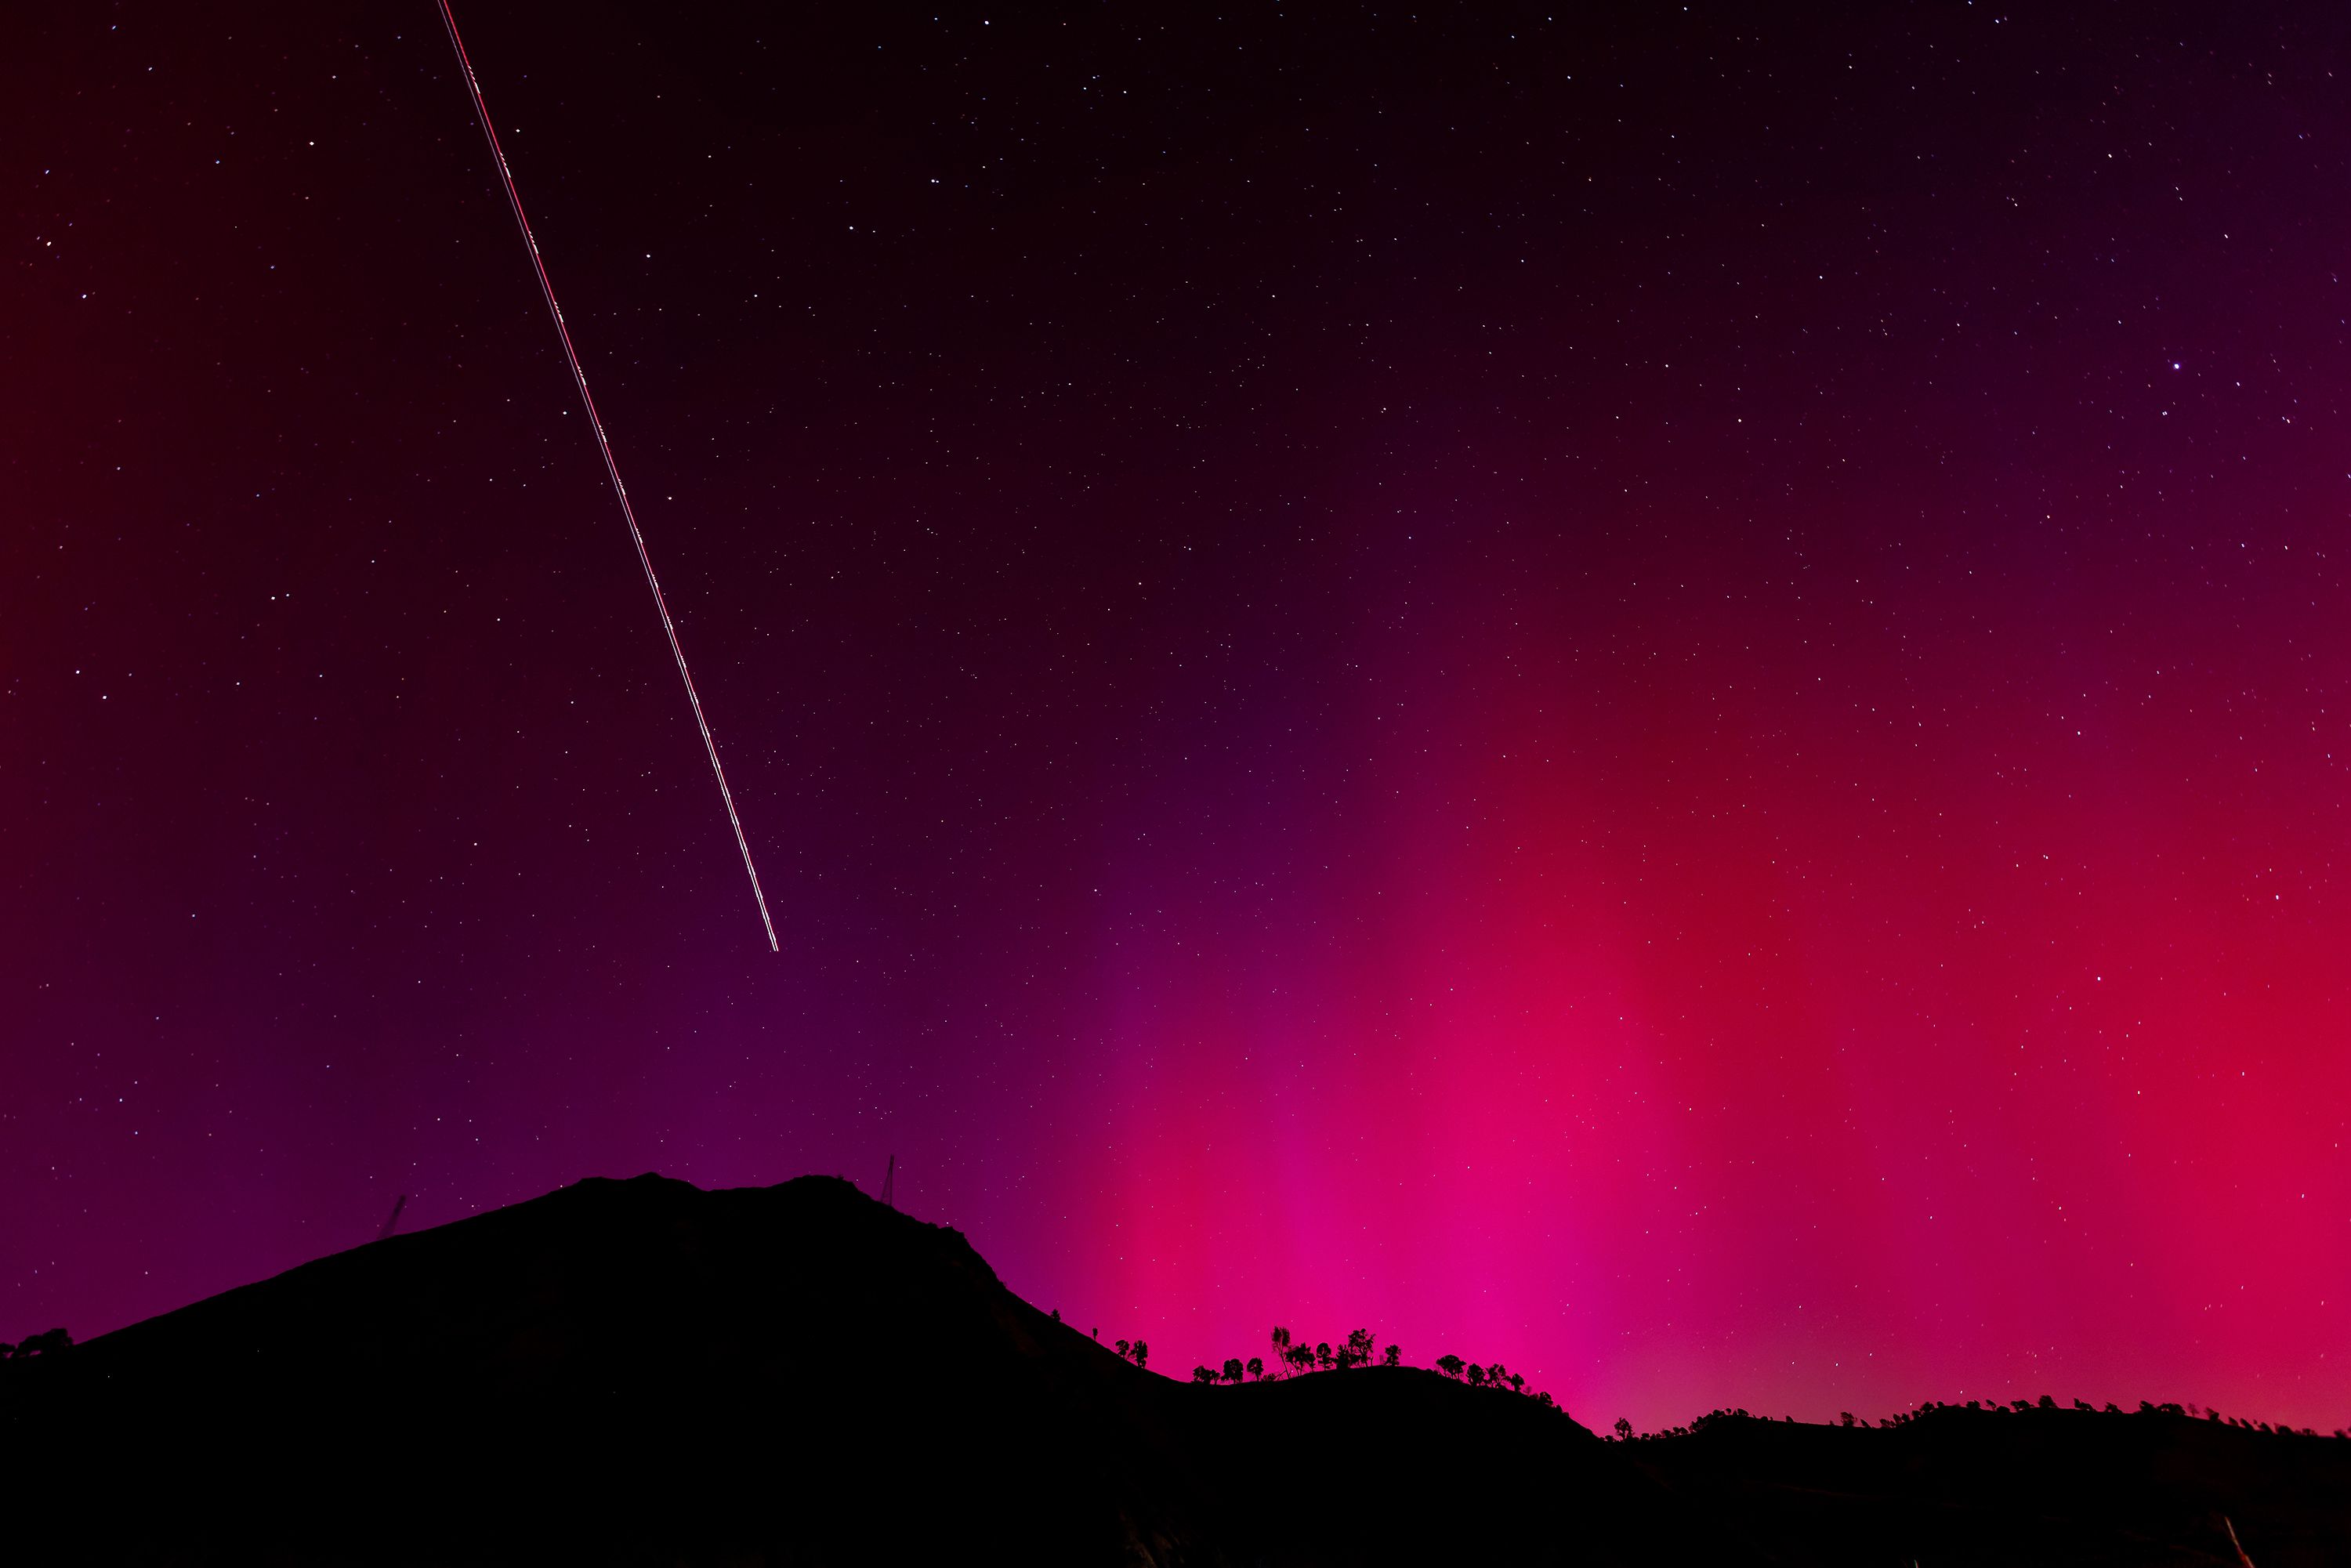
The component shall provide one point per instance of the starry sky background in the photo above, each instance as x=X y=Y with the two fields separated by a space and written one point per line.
x=1656 y=693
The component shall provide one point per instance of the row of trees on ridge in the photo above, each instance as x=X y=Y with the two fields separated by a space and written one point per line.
x=1293 y=1357
x=1625 y=1432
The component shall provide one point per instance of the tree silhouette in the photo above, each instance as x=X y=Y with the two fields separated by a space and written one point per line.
x=55 y=1341
x=1624 y=1430
x=1292 y=1357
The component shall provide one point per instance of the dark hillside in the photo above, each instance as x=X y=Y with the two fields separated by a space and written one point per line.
x=1978 y=1487
x=643 y=1372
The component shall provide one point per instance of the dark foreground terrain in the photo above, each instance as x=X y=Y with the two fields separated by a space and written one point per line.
x=641 y=1372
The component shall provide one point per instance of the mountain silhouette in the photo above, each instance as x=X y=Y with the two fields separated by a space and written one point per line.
x=641 y=1372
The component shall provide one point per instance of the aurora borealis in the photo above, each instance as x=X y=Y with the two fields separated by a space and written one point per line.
x=1661 y=694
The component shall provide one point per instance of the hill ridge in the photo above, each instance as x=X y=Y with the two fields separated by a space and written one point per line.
x=637 y=1370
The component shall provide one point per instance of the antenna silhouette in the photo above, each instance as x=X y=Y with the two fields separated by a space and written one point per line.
x=611 y=466
x=890 y=1182
x=393 y=1224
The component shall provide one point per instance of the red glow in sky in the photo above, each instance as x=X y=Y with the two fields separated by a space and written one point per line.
x=1661 y=701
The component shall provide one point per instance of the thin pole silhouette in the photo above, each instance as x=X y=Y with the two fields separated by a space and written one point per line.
x=890 y=1184
x=611 y=468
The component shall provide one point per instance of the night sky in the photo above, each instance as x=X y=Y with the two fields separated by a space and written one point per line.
x=1663 y=695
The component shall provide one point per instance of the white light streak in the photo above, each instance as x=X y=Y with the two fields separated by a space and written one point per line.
x=620 y=491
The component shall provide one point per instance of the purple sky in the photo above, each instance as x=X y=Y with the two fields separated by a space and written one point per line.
x=1660 y=697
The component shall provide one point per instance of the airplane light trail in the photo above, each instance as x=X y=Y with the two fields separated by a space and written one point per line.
x=612 y=468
